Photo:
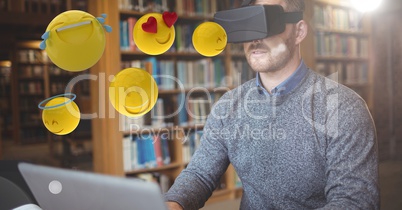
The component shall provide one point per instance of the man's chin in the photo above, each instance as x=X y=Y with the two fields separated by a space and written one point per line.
x=264 y=70
x=259 y=67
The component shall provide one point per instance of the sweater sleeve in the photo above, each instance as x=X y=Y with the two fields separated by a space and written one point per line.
x=195 y=184
x=352 y=159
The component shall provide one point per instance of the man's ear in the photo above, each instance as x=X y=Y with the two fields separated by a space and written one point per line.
x=301 y=31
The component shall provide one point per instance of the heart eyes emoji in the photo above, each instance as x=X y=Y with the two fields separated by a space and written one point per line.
x=151 y=25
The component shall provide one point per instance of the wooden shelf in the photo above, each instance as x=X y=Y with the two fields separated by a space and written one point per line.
x=221 y=195
x=31 y=78
x=157 y=169
x=180 y=17
x=152 y=130
x=341 y=58
x=238 y=192
x=194 y=90
x=356 y=84
x=168 y=55
x=221 y=192
x=343 y=32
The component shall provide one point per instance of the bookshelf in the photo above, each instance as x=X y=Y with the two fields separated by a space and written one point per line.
x=341 y=38
x=30 y=79
x=35 y=78
x=5 y=102
x=183 y=103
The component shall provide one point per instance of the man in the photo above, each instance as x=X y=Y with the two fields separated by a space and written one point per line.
x=297 y=140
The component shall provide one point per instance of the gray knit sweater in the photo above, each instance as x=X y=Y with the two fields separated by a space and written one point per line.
x=314 y=147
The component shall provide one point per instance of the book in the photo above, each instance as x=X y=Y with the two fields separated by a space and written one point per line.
x=158 y=113
x=158 y=150
x=165 y=149
x=124 y=43
x=131 y=23
x=149 y=152
x=182 y=115
x=127 y=153
x=141 y=150
x=134 y=153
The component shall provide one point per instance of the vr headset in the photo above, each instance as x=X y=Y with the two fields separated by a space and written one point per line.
x=255 y=22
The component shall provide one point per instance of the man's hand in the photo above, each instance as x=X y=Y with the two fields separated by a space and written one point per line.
x=173 y=206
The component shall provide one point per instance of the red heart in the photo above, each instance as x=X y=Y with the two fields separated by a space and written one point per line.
x=150 y=26
x=169 y=18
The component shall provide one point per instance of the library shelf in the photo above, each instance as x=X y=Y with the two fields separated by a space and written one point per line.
x=341 y=36
x=155 y=169
x=341 y=58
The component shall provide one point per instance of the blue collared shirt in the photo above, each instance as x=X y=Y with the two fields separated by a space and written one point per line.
x=286 y=86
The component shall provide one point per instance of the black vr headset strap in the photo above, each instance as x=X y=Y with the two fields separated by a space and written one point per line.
x=292 y=17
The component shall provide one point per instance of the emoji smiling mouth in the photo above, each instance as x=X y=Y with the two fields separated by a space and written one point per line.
x=59 y=131
x=163 y=41
x=137 y=109
x=221 y=49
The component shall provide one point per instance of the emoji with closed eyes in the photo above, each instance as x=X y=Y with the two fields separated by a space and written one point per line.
x=75 y=40
x=209 y=39
x=154 y=33
x=61 y=114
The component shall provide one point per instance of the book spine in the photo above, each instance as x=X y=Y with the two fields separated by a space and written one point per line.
x=158 y=150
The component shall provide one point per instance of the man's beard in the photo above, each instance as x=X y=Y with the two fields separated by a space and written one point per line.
x=274 y=61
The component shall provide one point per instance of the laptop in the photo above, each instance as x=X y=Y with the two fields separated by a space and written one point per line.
x=65 y=189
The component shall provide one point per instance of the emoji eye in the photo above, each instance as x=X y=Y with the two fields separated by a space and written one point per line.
x=169 y=18
x=219 y=39
x=86 y=17
x=54 y=121
x=58 y=24
x=150 y=26
x=46 y=122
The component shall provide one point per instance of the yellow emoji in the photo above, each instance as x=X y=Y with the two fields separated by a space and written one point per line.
x=133 y=92
x=61 y=114
x=154 y=33
x=209 y=39
x=75 y=40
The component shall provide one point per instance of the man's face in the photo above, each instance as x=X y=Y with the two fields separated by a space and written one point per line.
x=272 y=53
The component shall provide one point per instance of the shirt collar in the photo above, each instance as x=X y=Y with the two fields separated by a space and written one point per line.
x=286 y=86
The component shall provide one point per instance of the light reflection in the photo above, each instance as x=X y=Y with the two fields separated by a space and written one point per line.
x=366 y=5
